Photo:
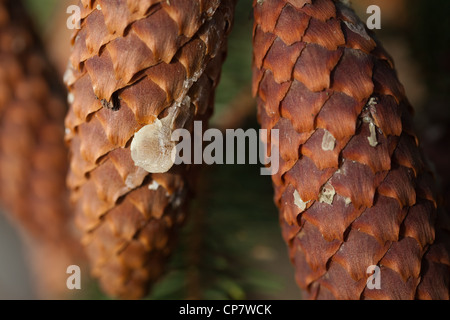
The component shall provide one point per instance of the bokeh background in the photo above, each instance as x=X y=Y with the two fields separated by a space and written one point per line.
x=231 y=247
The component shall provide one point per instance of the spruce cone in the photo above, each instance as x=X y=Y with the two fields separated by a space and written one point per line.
x=353 y=188
x=138 y=71
x=33 y=155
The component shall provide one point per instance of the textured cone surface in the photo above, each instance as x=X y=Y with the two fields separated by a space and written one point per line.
x=135 y=64
x=33 y=155
x=353 y=189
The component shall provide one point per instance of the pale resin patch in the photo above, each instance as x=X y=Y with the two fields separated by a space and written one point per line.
x=328 y=141
x=298 y=201
x=372 y=102
x=70 y=98
x=372 y=138
x=69 y=76
x=189 y=82
x=327 y=194
x=154 y=186
x=129 y=181
x=152 y=148
x=373 y=135
x=347 y=201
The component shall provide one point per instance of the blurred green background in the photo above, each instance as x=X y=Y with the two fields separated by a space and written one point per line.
x=231 y=247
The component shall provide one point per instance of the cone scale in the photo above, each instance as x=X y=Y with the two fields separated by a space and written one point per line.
x=354 y=191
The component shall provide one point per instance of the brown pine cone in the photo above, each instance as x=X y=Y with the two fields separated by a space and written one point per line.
x=138 y=71
x=33 y=155
x=353 y=189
